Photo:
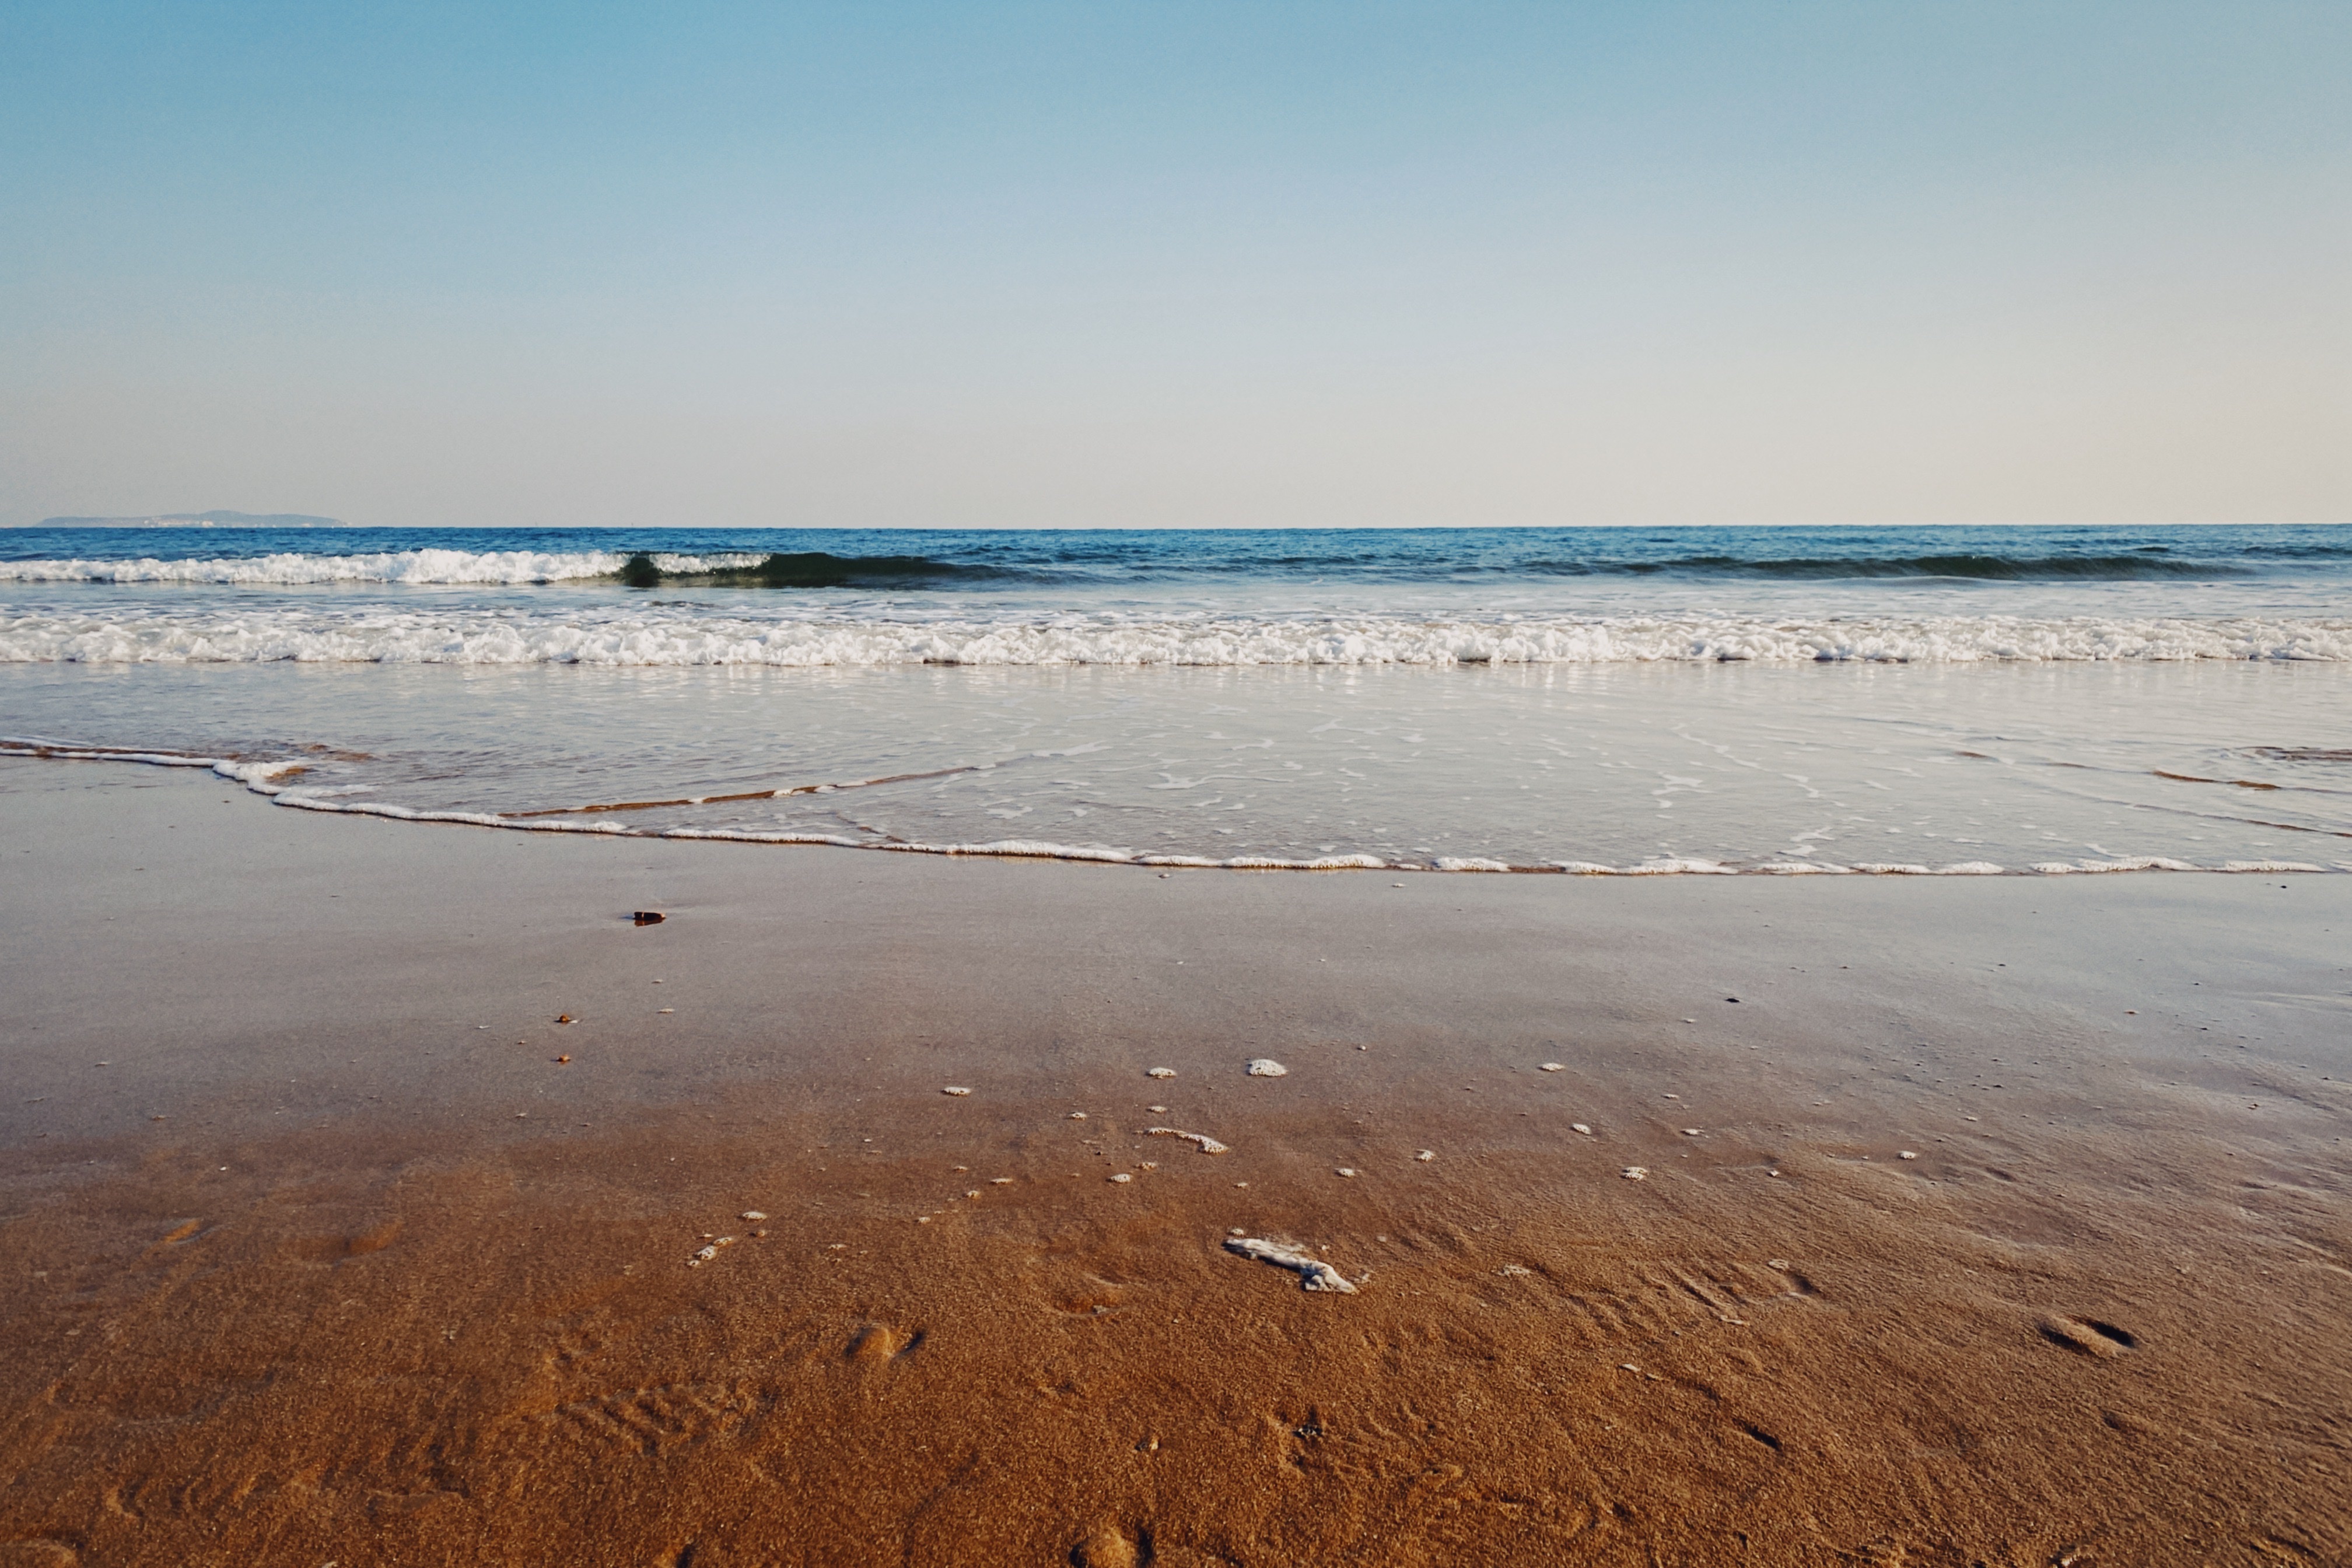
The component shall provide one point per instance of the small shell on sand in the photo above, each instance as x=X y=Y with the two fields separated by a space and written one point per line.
x=1690 y=1131
x=1160 y=1072
x=1635 y=1173
x=1314 y=1274
x=1426 y=1155
x=709 y=1252
x=956 y=1089
x=1157 y=1110
x=1348 y=1171
x=1121 y=1176
x=1580 y=1127
x=1206 y=1144
x=1910 y=1153
x=973 y=1192
x=753 y=1215
x=1267 y=1066
x=1555 y=1066
x=1078 y=1116
x=1513 y=1271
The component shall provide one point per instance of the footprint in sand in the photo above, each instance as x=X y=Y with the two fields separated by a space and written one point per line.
x=48 y=1554
x=1111 y=1547
x=2088 y=1336
x=336 y=1250
x=661 y=1421
x=873 y=1343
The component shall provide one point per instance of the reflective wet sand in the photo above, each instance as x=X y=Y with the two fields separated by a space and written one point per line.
x=437 y=1306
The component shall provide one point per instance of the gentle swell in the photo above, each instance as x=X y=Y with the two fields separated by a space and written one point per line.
x=1068 y=558
x=2136 y=567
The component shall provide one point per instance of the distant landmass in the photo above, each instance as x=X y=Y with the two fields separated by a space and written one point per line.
x=198 y=520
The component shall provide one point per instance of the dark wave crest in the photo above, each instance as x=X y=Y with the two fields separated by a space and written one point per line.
x=805 y=569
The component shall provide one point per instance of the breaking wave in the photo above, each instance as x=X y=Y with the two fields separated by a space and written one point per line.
x=422 y=567
x=1171 y=558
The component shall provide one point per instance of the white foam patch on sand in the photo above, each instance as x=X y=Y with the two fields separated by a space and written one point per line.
x=1200 y=1140
x=783 y=628
x=1314 y=1274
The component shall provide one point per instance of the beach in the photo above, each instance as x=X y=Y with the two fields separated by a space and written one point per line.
x=1987 y=1219
x=1204 y=787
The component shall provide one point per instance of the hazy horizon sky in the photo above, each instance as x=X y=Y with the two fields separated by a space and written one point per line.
x=1270 y=265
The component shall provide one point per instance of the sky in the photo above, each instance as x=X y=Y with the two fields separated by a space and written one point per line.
x=1264 y=263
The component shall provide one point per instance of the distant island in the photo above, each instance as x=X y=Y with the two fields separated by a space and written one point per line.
x=198 y=520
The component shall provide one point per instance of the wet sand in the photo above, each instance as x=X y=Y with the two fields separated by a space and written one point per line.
x=334 y=1259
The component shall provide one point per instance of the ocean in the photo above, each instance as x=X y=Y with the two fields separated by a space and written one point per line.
x=2015 y=700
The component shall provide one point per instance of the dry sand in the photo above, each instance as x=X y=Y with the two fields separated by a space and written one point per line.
x=319 y=1267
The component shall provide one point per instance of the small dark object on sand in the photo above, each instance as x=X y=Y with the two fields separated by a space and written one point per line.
x=649 y=917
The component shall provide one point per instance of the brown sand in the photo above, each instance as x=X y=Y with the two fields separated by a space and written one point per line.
x=343 y=1303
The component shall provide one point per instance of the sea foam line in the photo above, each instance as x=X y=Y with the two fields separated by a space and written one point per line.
x=262 y=778
x=689 y=634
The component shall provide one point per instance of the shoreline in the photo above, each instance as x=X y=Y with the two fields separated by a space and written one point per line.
x=260 y=778
x=408 y=1325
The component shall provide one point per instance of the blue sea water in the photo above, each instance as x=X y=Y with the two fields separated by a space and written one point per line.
x=1628 y=700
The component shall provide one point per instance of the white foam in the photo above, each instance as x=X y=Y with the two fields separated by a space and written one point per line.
x=1200 y=1140
x=67 y=751
x=785 y=630
x=418 y=567
x=1674 y=866
x=1314 y=1274
x=1960 y=868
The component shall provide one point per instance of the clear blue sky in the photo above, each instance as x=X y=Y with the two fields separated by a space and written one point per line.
x=1201 y=264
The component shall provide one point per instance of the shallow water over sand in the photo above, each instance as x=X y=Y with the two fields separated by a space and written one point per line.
x=1932 y=767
